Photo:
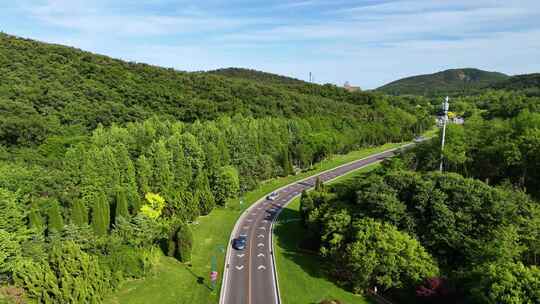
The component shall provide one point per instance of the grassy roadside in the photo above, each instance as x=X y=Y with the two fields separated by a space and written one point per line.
x=301 y=279
x=174 y=282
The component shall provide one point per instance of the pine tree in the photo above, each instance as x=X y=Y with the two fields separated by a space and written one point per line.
x=319 y=185
x=286 y=162
x=144 y=174
x=11 y=211
x=100 y=213
x=35 y=220
x=79 y=213
x=128 y=178
x=203 y=194
x=184 y=238
x=306 y=205
x=55 y=222
x=121 y=203
x=162 y=176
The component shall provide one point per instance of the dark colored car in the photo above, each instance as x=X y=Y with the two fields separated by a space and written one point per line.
x=240 y=242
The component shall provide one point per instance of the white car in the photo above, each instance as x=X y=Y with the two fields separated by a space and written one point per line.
x=272 y=196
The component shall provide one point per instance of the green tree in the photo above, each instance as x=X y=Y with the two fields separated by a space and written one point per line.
x=79 y=213
x=506 y=283
x=144 y=174
x=184 y=238
x=12 y=215
x=226 y=185
x=306 y=205
x=55 y=222
x=380 y=255
x=100 y=213
x=203 y=195
x=121 y=203
x=319 y=185
x=286 y=162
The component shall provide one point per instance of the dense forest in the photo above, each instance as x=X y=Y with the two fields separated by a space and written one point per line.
x=468 y=235
x=428 y=237
x=452 y=82
x=104 y=164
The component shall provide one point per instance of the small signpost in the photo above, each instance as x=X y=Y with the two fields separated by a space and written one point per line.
x=214 y=274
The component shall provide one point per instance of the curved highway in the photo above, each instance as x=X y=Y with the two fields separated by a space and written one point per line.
x=250 y=275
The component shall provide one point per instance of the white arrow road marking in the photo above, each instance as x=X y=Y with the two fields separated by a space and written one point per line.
x=261 y=267
x=262 y=227
x=265 y=221
x=254 y=213
x=260 y=254
x=240 y=267
x=241 y=255
x=260 y=245
x=246 y=227
x=259 y=208
x=260 y=236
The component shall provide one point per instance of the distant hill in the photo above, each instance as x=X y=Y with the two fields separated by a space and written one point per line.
x=528 y=83
x=449 y=82
x=257 y=76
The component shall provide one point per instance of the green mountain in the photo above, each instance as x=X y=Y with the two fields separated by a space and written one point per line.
x=46 y=87
x=449 y=82
x=528 y=83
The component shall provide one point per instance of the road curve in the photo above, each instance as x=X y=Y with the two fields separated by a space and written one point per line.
x=250 y=275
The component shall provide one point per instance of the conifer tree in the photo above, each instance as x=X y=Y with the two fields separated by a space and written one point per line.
x=100 y=213
x=319 y=185
x=162 y=178
x=306 y=205
x=121 y=207
x=184 y=238
x=11 y=212
x=144 y=174
x=203 y=194
x=79 y=213
x=55 y=222
x=286 y=162
x=35 y=220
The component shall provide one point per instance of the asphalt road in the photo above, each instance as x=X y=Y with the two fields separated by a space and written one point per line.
x=250 y=274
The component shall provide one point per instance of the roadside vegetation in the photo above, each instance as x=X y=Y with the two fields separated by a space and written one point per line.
x=470 y=234
x=301 y=268
x=211 y=234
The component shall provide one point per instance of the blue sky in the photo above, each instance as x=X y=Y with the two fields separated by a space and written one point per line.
x=365 y=42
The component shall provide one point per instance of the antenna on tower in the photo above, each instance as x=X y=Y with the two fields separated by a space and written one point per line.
x=310 y=77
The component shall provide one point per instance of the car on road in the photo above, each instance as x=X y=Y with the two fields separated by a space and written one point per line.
x=239 y=243
x=272 y=196
x=419 y=139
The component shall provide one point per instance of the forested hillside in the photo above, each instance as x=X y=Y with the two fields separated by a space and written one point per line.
x=257 y=75
x=449 y=82
x=44 y=88
x=528 y=83
x=104 y=164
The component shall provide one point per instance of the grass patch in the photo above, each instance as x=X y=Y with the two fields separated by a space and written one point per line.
x=301 y=278
x=174 y=282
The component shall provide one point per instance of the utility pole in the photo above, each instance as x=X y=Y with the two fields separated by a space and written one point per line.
x=445 y=119
x=310 y=77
